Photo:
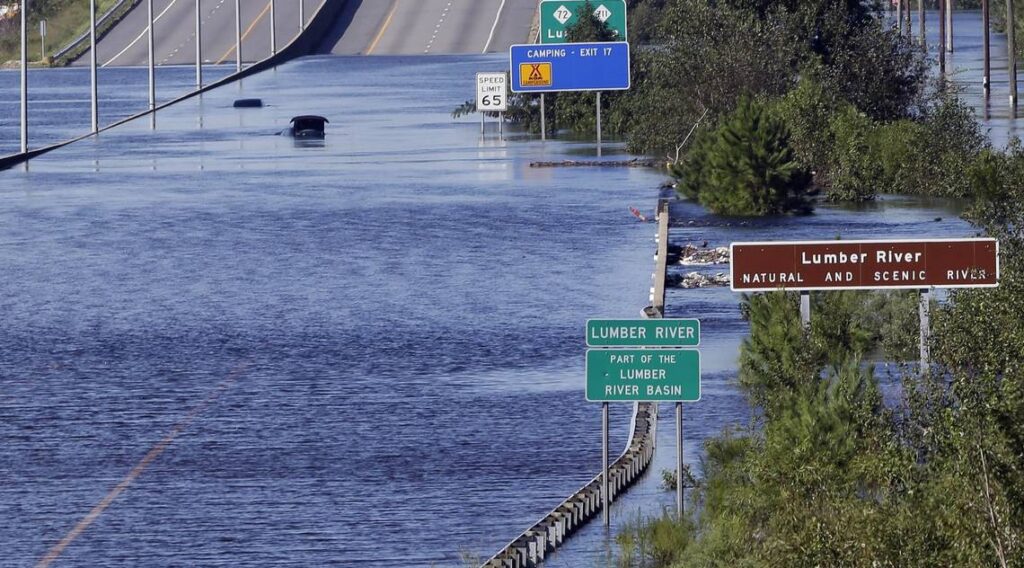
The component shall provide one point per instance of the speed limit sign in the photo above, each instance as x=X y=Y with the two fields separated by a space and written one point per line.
x=491 y=89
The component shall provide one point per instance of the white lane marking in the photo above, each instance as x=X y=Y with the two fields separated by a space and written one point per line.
x=437 y=28
x=490 y=38
x=191 y=34
x=140 y=36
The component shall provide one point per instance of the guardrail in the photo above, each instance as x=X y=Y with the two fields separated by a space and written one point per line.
x=529 y=549
x=106 y=22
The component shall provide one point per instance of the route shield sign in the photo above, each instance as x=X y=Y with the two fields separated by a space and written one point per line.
x=602 y=66
x=643 y=375
x=491 y=89
x=643 y=333
x=556 y=16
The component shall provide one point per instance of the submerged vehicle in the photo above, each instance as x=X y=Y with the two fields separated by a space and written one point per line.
x=307 y=126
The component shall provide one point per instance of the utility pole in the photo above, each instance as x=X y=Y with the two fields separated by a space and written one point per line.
x=92 y=68
x=199 y=44
x=24 y=76
x=986 y=75
x=899 y=15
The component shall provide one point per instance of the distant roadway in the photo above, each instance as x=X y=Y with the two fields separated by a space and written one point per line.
x=417 y=27
x=366 y=27
x=175 y=24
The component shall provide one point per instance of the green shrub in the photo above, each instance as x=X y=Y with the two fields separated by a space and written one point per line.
x=746 y=167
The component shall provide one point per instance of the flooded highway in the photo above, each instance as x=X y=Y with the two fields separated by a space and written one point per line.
x=221 y=346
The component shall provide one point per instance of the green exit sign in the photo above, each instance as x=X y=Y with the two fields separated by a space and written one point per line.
x=643 y=333
x=643 y=375
x=556 y=16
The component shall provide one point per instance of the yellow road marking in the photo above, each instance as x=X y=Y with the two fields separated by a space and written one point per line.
x=384 y=28
x=136 y=471
x=246 y=34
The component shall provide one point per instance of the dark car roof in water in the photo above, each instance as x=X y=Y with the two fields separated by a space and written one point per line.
x=309 y=117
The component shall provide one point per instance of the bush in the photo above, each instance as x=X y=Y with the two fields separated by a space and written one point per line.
x=746 y=167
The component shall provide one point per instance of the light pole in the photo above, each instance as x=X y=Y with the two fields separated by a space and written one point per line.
x=238 y=37
x=152 y=57
x=199 y=44
x=92 y=68
x=24 y=77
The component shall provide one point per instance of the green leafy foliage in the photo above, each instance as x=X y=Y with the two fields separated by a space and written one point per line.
x=746 y=167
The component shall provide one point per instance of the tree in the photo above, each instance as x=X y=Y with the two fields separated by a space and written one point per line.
x=746 y=167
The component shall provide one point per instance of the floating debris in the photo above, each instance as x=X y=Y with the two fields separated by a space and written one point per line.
x=634 y=163
x=697 y=280
x=691 y=255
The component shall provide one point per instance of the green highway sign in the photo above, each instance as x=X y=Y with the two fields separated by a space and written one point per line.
x=643 y=375
x=643 y=333
x=556 y=16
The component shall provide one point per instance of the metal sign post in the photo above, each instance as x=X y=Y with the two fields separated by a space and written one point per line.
x=605 y=500
x=599 y=124
x=302 y=15
x=679 y=460
x=543 y=120
x=491 y=91
x=42 y=40
x=924 y=310
x=94 y=90
x=805 y=310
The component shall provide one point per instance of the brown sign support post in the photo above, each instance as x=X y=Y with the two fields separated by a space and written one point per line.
x=866 y=265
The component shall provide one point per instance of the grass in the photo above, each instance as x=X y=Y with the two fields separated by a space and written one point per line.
x=65 y=22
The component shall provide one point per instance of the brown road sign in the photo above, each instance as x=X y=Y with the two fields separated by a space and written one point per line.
x=865 y=265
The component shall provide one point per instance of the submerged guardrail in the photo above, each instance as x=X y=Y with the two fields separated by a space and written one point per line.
x=529 y=549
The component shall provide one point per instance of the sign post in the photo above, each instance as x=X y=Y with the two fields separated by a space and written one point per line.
x=601 y=66
x=866 y=265
x=491 y=91
x=641 y=361
x=42 y=40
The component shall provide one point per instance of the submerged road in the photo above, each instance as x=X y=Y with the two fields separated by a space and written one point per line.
x=174 y=41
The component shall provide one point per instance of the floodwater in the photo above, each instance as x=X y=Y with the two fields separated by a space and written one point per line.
x=59 y=99
x=236 y=349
